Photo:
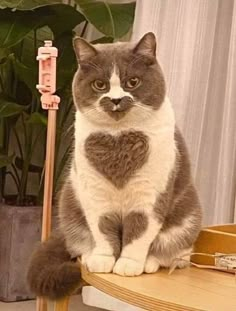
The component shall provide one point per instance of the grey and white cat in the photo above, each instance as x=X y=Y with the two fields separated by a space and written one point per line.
x=129 y=205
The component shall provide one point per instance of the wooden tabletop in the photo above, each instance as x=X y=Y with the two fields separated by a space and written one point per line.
x=187 y=289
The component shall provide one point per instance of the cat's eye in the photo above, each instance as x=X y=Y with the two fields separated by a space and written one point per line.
x=132 y=83
x=99 y=85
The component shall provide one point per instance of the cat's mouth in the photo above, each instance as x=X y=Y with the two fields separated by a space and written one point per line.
x=116 y=111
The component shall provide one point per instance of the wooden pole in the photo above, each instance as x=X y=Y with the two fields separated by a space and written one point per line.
x=49 y=170
x=48 y=187
x=62 y=305
x=41 y=304
x=47 y=87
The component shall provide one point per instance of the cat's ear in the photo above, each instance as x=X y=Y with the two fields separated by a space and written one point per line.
x=83 y=49
x=147 y=45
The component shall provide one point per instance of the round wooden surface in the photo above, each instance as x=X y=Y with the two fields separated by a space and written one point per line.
x=187 y=289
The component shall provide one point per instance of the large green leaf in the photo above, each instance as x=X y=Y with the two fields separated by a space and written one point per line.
x=112 y=19
x=16 y=25
x=26 y=4
x=37 y=118
x=26 y=74
x=26 y=50
x=62 y=18
x=9 y=109
x=103 y=40
x=5 y=160
x=7 y=75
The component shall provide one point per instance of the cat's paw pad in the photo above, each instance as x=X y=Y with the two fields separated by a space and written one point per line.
x=100 y=263
x=152 y=265
x=128 y=267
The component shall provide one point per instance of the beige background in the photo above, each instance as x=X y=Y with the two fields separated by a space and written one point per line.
x=197 y=50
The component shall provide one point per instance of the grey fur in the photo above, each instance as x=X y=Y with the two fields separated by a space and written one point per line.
x=73 y=223
x=117 y=158
x=131 y=61
x=111 y=226
x=134 y=226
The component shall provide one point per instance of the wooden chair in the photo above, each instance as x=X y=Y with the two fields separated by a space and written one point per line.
x=187 y=289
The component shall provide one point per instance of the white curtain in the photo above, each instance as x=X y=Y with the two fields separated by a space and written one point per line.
x=197 y=50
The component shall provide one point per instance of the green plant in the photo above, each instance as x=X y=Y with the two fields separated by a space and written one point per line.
x=23 y=27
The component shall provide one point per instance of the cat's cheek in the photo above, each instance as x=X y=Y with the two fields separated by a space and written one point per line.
x=128 y=267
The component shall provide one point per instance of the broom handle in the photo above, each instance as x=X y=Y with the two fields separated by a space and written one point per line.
x=47 y=87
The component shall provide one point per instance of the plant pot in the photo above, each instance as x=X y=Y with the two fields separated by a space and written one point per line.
x=20 y=230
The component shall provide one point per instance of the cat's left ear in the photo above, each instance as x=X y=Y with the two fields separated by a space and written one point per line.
x=147 y=45
x=83 y=49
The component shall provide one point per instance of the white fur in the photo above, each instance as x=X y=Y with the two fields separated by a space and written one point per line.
x=152 y=264
x=133 y=255
x=100 y=263
x=128 y=266
x=98 y=196
x=116 y=91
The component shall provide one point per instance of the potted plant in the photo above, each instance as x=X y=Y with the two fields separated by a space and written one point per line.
x=23 y=123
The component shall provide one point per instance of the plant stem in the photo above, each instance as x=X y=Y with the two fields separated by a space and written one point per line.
x=14 y=80
x=17 y=177
x=41 y=184
x=84 y=29
x=35 y=41
x=26 y=163
x=1 y=85
x=24 y=129
x=18 y=143
x=21 y=49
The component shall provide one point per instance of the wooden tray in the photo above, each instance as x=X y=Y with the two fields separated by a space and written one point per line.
x=187 y=289
x=216 y=239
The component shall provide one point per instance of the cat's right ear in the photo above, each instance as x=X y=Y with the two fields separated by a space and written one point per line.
x=83 y=49
x=147 y=45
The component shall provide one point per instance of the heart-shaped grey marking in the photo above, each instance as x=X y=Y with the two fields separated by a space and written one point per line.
x=117 y=157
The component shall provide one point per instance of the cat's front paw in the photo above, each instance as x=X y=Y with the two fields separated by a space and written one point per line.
x=100 y=263
x=128 y=267
x=152 y=265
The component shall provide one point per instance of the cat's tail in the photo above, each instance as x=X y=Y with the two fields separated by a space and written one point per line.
x=51 y=272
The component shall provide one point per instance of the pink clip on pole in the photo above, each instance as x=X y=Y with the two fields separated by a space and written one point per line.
x=47 y=86
x=47 y=75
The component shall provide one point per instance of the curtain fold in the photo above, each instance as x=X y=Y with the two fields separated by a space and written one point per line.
x=197 y=49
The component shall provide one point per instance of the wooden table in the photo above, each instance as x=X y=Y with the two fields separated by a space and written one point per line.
x=187 y=289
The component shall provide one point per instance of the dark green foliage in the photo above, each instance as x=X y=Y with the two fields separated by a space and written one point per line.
x=24 y=25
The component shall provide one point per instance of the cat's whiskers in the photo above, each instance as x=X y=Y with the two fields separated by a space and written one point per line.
x=91 y=111
x=141 y=106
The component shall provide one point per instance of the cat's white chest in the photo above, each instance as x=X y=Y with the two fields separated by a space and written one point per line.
x=96 y=191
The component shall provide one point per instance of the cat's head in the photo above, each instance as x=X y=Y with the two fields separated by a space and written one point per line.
x=119 y=81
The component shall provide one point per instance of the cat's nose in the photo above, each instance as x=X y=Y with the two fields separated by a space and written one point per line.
x=116 y=101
